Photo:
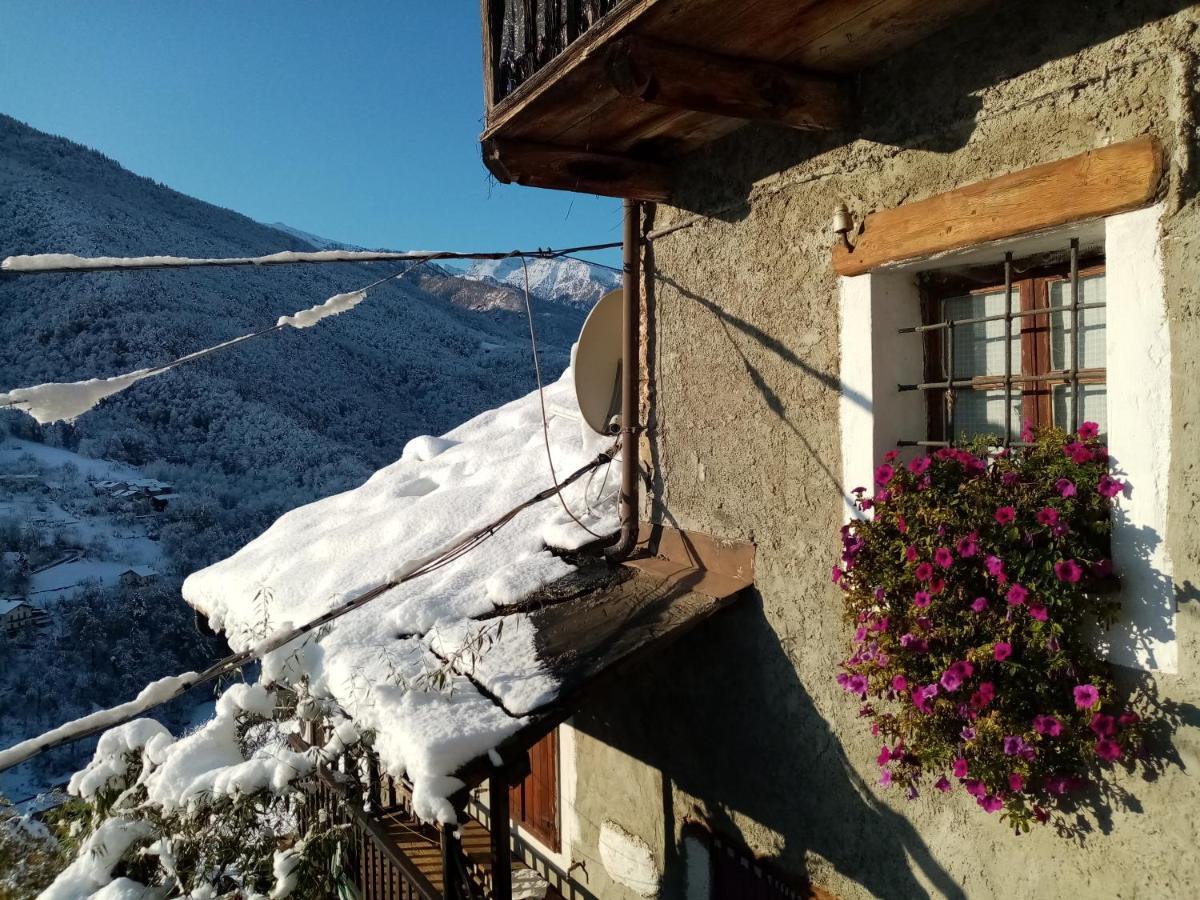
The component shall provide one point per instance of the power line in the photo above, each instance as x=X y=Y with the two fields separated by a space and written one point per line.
x=63 y=263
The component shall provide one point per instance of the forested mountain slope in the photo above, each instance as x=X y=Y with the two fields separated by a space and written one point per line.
x=247 y=433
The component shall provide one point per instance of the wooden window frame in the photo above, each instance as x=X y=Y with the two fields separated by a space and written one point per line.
x=1031 y=290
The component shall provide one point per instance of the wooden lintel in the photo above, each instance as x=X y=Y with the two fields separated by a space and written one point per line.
x=1098 y=183
x=684 y=78
x=571 y=169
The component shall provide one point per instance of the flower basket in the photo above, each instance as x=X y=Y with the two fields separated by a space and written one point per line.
x=974 y=591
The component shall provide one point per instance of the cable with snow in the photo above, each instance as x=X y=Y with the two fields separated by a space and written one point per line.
x=46 y=263
x=67 y=401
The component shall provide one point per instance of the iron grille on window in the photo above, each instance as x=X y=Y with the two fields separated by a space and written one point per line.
x=1029 y=350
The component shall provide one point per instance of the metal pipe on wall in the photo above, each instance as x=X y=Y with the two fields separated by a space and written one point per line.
x=630 y=349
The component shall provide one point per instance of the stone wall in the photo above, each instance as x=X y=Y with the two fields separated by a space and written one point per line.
x=741 y=724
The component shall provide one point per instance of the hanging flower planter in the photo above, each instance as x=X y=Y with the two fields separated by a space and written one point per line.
x=974 y=592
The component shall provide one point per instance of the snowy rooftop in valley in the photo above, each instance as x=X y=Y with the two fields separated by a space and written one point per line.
x=376 y=661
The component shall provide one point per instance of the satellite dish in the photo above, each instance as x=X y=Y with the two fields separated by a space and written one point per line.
x=598 y=365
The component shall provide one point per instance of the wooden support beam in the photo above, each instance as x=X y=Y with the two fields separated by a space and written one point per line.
x=501 y=851
x=571 y=169
x=1098 y=183
x=683 y=78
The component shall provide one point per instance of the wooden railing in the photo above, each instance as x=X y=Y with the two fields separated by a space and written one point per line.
x=522 y=36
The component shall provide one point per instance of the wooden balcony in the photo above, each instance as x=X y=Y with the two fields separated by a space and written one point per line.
x=600 y=96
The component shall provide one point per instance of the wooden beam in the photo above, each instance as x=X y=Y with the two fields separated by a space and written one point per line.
x=682 y=78
x=501 y=832
x=1097 y=183
x=571 y=169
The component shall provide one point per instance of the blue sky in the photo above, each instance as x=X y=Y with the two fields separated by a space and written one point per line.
x=357 y=120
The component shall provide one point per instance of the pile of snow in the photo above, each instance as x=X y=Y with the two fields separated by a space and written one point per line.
x=410 y=666
x=45 y=262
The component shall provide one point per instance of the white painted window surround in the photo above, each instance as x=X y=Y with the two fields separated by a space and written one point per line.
x=874 y=415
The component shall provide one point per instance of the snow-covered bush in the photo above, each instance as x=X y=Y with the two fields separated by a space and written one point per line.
x=213 y=813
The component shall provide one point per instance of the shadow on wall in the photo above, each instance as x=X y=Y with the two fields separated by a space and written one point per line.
x=941 y=79
x=744 y=737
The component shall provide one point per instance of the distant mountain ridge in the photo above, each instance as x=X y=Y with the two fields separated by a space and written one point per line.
x=571 y=282
x=268 y=425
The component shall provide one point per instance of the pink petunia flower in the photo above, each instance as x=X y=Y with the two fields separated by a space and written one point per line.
x=1089 y=430
x=1010 y=479
x=884 y=757
x=1006 y=515
x=884 y=474
x=942 y=784
x=991 y=803
x=951 y=681
x=837 y=575
x=1016 y=595
x=1086 y=696
x=1103 y=725
x=1002 y=651
x=975 y=787
x=1038 y=611
x=1108 y=486
x=1016 y=782
x=910 y=553
x=968 y=733
x=943 y=557
x=994 y=565
x=1027 y=433
x=857 y=684
x=1108 y=749
x=979 y=604
x=1068 y=570
x=960 y=767
x=1065 y=487
x=891 y=456
x=919 y=465
x=1129 y=717
x=921 y=599
x=885 y=777
x=899 y=683
x=937 y=584
x=924 y=571
x=968 y=546
x=1047 y=515
x=963 y=668
x=1047 y=725
x=1078 y=452
x=901 y=524
x=860 y=634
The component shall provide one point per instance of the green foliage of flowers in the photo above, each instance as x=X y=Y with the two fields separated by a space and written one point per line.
x=975 y=590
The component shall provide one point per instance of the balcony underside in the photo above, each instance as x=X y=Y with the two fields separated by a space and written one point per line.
x=656 y=79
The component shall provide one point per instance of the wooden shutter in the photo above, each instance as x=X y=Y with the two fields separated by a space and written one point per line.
x=534 y=802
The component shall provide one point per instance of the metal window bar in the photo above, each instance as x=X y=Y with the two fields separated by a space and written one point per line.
x=1074 y=354
x=1008 y=381
x=1070 y=375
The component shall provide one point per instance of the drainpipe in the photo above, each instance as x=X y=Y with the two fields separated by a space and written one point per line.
x=631 y=302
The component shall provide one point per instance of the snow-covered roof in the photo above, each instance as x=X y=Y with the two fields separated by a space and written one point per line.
x=141 y=571
x=13 y=603
x=376 y=661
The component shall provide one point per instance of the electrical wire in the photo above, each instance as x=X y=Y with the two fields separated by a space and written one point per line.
x=537 y=369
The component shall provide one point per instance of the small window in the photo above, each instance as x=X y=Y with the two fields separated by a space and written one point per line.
x=993 y=363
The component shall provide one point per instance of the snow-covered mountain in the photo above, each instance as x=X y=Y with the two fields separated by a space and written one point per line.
x=570 y=282
x=321 y=243
x=262 y=428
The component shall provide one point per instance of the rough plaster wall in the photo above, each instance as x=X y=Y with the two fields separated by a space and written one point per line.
x=743 y=719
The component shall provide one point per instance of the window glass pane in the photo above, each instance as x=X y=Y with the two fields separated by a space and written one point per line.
x=1091 y=324
x=1093 y=406
x=979 y=347
x=982 y=412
